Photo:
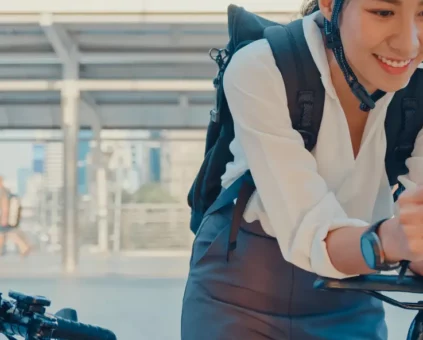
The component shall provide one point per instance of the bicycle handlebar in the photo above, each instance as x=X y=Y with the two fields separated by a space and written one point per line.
x=26 y=317
x=75 y=330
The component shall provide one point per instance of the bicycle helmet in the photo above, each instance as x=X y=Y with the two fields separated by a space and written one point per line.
x=333 y=42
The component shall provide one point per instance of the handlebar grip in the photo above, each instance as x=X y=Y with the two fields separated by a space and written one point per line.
x=71 y=330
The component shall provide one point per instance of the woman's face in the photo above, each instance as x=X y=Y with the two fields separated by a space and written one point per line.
x=383 y=40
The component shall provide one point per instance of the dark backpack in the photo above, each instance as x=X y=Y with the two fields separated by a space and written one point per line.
x=305 y=94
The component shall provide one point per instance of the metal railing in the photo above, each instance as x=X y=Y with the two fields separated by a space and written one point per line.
x=154 y=226
x=130 y=227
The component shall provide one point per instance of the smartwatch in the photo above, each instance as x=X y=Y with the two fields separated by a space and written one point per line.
x=372 y=251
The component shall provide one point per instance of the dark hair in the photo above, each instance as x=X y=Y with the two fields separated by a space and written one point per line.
x=308 y=7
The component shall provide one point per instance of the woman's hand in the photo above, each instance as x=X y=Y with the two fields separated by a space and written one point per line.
x=402 y=236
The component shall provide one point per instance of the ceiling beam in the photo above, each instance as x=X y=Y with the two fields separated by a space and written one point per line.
x=109 y=85
x=147 y=85
x=13 y=18
x=39 y=58
x=30 y=85
x=112 y=117
x=65 y=48
x=116 y=58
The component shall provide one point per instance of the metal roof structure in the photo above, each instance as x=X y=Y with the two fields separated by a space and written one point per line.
x=143 y=65
x=109 y=65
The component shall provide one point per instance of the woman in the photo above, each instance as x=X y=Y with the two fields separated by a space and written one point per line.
x=12 y=233
x=310 y=210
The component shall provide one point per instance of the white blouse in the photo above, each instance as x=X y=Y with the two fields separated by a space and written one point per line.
x=301 y=196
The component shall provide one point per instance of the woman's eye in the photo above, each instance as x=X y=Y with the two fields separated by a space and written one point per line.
x=384 y=14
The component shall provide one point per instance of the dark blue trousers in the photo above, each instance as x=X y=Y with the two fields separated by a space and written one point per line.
x=258 y=295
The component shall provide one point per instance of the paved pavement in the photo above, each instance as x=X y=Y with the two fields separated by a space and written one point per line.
x=138 y=309
x=138 y=297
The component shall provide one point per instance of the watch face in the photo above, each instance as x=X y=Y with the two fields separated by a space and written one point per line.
x=368 y=252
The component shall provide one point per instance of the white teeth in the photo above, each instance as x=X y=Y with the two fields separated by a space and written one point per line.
x=394 y=63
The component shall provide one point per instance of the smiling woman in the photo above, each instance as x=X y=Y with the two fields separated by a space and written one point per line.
x=385 y=31
x=311 y=210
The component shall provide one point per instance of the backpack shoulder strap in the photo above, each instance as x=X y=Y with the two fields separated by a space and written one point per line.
x=403 y=122
x=304 y=89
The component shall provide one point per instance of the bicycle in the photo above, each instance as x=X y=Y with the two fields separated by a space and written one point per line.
x=373 y=284
x=25 y=316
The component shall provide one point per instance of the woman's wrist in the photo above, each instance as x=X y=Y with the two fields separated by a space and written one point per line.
x=389 y=239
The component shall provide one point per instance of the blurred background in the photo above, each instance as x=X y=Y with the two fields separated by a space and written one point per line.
x=103 y=111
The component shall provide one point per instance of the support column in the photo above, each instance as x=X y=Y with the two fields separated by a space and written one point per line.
x=103 y=215
x=70 y=97
x=118 y=203
x=102 y=192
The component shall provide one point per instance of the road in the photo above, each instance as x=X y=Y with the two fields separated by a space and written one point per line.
x=139 y=308
x=138 y=296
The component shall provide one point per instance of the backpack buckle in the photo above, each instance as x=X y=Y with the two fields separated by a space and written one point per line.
x=361 y=93
x=333 y=40
x=215 y=116
x=219 y=56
